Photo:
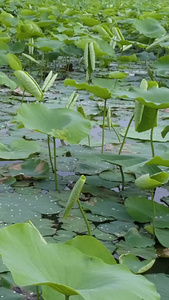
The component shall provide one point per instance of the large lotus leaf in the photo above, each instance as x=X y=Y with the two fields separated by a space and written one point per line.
x=157 y=98
x=149 y=27
x=19 y=207
x=65 y=269
x=126 y=161
x=47 y=44
x=98 y=91
x=145 y=136
x=161 y=282
x=61 y=123
x=19 y=149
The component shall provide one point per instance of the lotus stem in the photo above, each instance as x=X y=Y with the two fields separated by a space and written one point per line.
x=89 y=140
x=121 y=148
x=84 y=217
x=103 y=129
x=154 y=210
x=37 y=292
x=41 y=68
x=122 y=177
x=151 y=142
x=50 y=155
x=117 y=134
x=67 y=297
x=124 y=139
x=55 y=169
x=23 y=95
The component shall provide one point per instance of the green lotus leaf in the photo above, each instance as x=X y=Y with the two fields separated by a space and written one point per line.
x=163 y=236
x=30 y=168
x=98 y=91
x=150 y=182
x=159 y=160
x=92 y=247
x=126 y=161
x=165 y=131
x=161 y=282
x=162 y=64
x=149 y=27
x=14 y=62
x=157 y=98
x=134 y=264
x=5 y=80
x=18 y=149
x=61 y=123
x=67 y=270
x=118 y=75
x=140 y=209
x=145 y=117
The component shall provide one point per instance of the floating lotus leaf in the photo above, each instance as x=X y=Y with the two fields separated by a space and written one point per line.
x=135 y=265
x=61 y=123
x=67 y=270
x=18 y=149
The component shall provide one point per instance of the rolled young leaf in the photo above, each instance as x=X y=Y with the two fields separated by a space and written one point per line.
x=74 y=196
x=29 y=84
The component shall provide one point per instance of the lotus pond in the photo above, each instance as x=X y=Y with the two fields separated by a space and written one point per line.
x=84 y=150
